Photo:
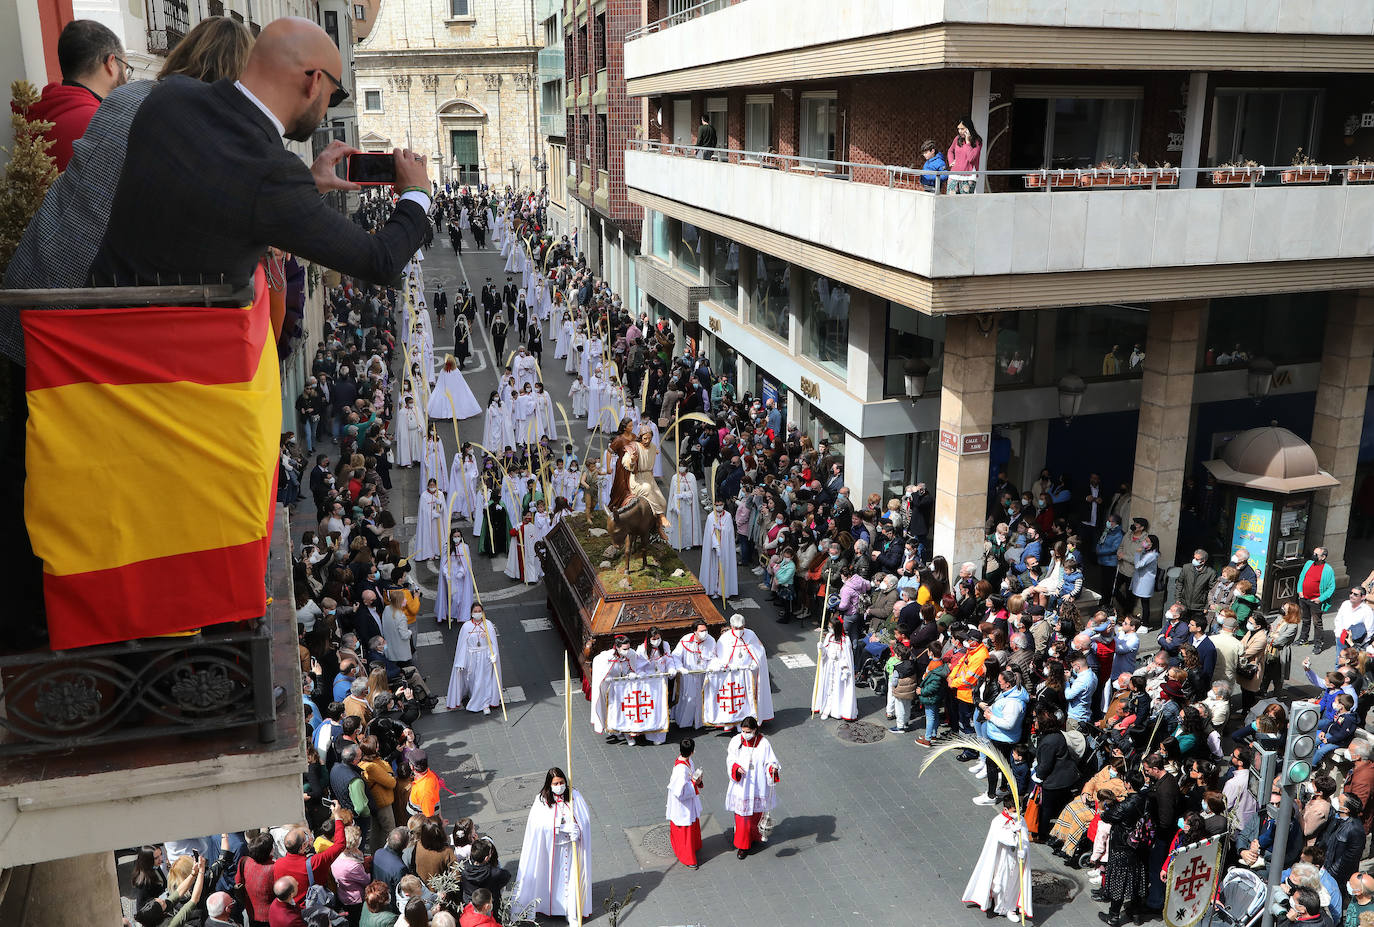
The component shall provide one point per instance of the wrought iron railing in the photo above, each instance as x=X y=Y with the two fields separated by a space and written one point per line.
x=162 y=41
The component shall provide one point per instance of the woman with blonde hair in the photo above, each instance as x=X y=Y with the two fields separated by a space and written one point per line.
x=351 y=873
x=1279 y=657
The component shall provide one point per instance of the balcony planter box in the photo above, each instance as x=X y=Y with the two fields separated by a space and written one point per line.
x=1159 y=176
x=1230 y=176
x=1056 y=179
x=1360 y=174
x=1306 y=175
x=1109 y=177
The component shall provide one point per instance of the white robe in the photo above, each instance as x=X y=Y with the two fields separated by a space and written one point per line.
x=741 y=648
x=659 y=662
x=462 y=488
x=522 y=547
x=684 y=514
x=718 y=555
x=545 y=424
x=834 y=697
x=546 y=872
x=430 y=527
x=498 y=432
x=691 y=655
x=608 y=665
x=998 y=881
x=684 y=803
x=452 y=383
x=454 y=600
x=525 y=430
x=564 y=484
x=410 y=436
x=476 y=674
x=574 y=365
x=613 y=408
x=565 y=333
x=756 y=791
x=598 y=395
x=432 y=464
x=525 y=369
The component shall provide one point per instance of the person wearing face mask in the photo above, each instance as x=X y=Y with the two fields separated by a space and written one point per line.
x=694 y=652
x=476 y=674
x=1195 y=584
x=656 y=657
x=719 y=572
x=456 y=588
x=684 y=515
x=619 y=660
x=559 y=825
x=1146 y=567
x=754 y=772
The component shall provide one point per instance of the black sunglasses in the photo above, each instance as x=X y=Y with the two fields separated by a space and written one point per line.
x=340 y=94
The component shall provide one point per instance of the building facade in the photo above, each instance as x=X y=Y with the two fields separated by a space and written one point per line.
x=601 y=119
x=1142 y=238
x=454 y=80
x=552 y=160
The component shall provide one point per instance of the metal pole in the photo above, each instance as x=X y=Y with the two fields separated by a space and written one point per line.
x=1277 y=855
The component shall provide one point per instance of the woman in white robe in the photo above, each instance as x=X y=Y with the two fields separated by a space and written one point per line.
x=577 y=349
x=434 y=462
x=559 y=827
x=613 y=410
x=430 y=529
x=695 y=651
x=718 y=553
x=462 y=487
x=592 y=353
x=564 y=339
x=545 y=422
x=525 y=431
x=498 y=432
x=598 y=393
x=834 y=694
x=454 y=601
x=578 y=392
x=684 y=515
x=476 y=674
x=451 y=396
x=410 y=434
x=1001 y=879
x=658 y=658
x=525 y=368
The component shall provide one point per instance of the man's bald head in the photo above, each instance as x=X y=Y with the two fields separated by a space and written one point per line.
x=292 y=70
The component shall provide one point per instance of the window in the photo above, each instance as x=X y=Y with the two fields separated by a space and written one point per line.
x=716 y=109
x=664 y=233
x=553 y=36
x=1099 y=341
x=1015 y=347
x=818 y=118
x=331 y=26
x=1266 y=126
x=725 y=272
x=1075 y=127
x=912 y=335
x=372 y=101
x=1286 y=328
x=601 y=42
x=603 y=160
x=687 y=248
x=758 y=122
x=359 y=12
x=583 y=52
x=459 y=9
x=771 y=296
x=585 y=137
x=825 y=322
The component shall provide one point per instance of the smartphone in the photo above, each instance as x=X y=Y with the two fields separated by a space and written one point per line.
x=372 y=169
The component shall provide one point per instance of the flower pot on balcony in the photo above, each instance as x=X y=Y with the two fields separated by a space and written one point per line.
x=1165 y=176
x=1231 y=176
x=1107 y=177
x=1035 y=180
x=1306 y=175
x=1361 y=174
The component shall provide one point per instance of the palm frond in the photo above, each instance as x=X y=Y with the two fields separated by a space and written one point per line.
x=977 y=745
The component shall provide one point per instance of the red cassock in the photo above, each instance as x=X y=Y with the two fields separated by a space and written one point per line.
x=747 y=830
x=686 y=842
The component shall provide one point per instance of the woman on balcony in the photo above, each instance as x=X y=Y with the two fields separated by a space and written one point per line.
x=963 y=156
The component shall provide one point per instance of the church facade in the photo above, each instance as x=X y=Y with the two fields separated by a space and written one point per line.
x=454 y=80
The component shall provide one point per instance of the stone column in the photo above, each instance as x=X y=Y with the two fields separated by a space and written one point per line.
x=1166 y=405
x=76 y=890
x=1339 y=419
x=966 y=390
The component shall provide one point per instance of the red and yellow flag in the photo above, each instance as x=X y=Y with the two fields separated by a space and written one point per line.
x=152 y=454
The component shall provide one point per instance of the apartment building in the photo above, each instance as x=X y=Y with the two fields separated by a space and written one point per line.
x=601 y=120
x=551 y=164
x=1165 y=239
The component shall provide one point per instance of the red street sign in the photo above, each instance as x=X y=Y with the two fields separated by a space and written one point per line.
x=978 y=443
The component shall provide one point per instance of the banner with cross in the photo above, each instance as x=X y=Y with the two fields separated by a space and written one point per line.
x=729 y=696
x=1191 y=881
x=637 y=704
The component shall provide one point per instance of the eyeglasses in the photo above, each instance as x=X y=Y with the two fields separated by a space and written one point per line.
x=340 y=94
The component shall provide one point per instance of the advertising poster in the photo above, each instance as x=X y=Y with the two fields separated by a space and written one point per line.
x=1254 y=522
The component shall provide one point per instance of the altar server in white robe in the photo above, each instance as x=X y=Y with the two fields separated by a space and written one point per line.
x=564 y=482
x=451 y=396
x=498 y=432
x=619 y=660
x=754 y=773
x=454 y=601
x=430 y=524
x=578 y=393
x=545 y=424
x=834 y=696
x=564 y=339
x=525 y=368
x=598 y=395
x=718 y=553
x=695 y=651
x=684 y=515
x=434 y=461
x=1001 y=879
x=658 y=658
x=577 y=349
x=476 y=675
x=593 y=352
x=410 y=434
x=684 y=805
x=558 y=827
x=462 y=486
x=525 y=432
x=740 y=648
x=521 y=563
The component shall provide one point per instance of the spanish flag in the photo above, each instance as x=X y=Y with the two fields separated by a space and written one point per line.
x=152 y=454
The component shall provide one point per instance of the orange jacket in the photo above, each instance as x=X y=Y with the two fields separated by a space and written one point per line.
x=967 y=671
x=424 y=794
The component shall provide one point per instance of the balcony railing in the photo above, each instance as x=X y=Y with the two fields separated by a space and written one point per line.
x=681 y=16
x=553 y=124
x=551 y=62
x=1098 y=178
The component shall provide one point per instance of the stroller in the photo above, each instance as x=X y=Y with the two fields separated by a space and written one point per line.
x=1240 y=902
x=872 y=676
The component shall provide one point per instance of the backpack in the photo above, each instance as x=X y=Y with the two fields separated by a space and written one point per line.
x=1142 y=835
x=320 y=908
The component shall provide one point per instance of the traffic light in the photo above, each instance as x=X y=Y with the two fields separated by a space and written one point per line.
x=1262 y=770
x=1302 y=742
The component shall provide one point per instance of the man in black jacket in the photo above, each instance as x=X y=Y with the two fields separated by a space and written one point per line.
x=207 y=184
x=1344 y=840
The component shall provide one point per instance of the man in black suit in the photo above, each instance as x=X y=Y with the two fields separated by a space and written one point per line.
x=511 y=294
x=207 y=184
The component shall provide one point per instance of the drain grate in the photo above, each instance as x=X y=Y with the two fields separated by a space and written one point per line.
x=860 y=732
x=516 y=793
x=657 y=841
x=1048 y=889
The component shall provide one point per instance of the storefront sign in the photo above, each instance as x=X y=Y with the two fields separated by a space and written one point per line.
x=713 y=323
x=977 y=443
x=1254 y=523
x=810 y=389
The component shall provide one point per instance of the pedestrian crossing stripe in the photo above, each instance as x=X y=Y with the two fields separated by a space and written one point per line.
x=796 y=660
x=429 y=638
x=535 y=624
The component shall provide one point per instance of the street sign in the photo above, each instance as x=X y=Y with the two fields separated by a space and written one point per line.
x=976 y=443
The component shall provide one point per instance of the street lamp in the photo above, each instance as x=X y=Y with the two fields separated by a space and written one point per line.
x=1071 y=389
x=541 y=165
x=915 y=372
x=1259 y=377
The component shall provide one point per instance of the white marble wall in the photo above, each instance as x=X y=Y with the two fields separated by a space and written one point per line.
x=1025 y=233
x=760 y=27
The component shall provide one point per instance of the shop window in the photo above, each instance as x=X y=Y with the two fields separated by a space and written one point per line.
x=825 y=322
x=1287 y=328
x=771 y=296
x=1100 y=341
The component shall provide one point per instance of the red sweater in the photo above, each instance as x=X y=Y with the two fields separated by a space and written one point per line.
x=471 y=917
x=69 y=109
x=285 y=915
x=293 y=865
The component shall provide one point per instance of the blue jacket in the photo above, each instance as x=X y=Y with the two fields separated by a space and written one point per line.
x=1172 y=637
x=1079 y=694
x=1108 y=545
x=1008 y=712
x=1328 y=586
x=935 y=163
x=1032 y=549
